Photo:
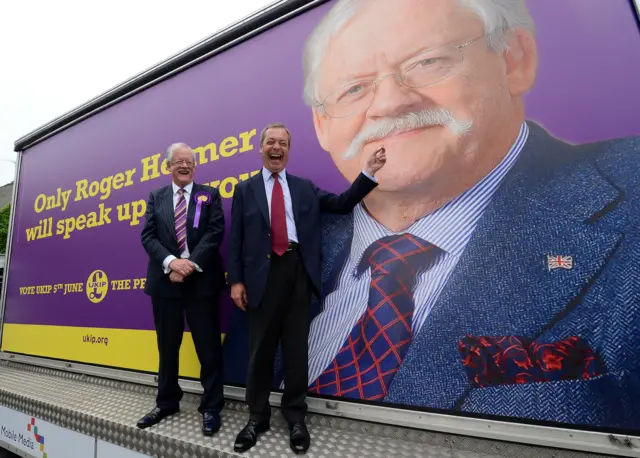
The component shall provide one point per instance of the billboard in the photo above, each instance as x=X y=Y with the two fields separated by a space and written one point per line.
x=532 y=311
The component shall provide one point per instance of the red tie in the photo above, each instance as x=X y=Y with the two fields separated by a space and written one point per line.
x=279 y=237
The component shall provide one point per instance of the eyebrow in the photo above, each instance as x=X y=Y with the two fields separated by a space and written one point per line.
x=366 y=76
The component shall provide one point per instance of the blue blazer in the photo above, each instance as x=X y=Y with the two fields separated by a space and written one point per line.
x=250 y=238
x=559 y=199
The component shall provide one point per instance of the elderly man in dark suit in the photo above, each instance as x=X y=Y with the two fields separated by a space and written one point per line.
x=182 y=234
x=274 y=269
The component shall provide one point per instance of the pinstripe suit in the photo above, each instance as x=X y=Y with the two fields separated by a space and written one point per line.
x=197 y=297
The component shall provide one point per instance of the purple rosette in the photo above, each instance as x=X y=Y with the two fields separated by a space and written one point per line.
x=201 y=198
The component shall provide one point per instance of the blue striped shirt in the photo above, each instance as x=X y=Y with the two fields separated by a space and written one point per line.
x=449 y=228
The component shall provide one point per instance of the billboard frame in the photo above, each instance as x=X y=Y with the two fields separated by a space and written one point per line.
x=5 y=277
x=516 y=431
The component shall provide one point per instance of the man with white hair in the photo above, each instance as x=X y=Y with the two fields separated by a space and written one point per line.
x=182 y=234
x=494 y=268
x=533 y=242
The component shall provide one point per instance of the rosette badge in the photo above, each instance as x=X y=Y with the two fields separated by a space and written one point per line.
x=201 y=198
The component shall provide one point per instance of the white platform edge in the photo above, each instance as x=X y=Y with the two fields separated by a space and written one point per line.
x=544 y=436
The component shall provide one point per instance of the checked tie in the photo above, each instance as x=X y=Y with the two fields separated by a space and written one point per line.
x=180 y=216
x=366 y=364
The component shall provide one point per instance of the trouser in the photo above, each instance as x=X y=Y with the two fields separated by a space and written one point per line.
x=204 y=323
x=282 y=316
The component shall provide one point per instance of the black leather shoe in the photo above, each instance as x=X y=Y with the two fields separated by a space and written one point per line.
x=155 y=416
x=299 y=439
x=249 y=435
x=210 y=423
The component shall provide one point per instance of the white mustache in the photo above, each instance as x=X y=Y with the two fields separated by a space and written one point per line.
x=405 y=123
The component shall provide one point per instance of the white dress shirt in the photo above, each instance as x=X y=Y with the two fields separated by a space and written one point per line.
x=187 y=197
x=288 y=205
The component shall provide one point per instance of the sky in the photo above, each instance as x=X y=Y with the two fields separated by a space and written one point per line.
x=58 y=54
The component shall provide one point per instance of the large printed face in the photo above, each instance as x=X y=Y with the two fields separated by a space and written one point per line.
x=485 y=89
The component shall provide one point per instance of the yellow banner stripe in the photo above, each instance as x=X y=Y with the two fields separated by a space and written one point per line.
x=118 y=348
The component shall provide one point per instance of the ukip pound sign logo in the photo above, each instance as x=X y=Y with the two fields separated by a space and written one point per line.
x=97 y=286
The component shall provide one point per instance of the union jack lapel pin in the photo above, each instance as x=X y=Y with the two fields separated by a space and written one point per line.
x=559 y=262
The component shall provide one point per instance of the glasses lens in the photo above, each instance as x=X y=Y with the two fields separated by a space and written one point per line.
x=431 y=67
x=349 y=99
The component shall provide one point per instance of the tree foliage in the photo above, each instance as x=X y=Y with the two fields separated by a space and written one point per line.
x=4 y=227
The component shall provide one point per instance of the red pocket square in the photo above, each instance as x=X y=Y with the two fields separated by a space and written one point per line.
x=491 y=361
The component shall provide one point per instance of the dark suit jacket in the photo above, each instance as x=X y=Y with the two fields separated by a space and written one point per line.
x=159 y=241
x=250 y=240
x=558 y=199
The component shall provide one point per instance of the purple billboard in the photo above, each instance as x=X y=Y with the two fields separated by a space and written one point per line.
x=532 y=194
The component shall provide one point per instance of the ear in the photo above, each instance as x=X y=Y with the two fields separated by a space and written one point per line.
x=320 y=122
x=521 y=60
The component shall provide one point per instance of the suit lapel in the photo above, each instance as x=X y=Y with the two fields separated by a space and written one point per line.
x=257 y=187
x=191 y=209
x=502 y=284
x=165 y=210
x=295 y=191
x=336 y=235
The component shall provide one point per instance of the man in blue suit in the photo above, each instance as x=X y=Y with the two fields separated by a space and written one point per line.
x=274 y=269
x=519 y=291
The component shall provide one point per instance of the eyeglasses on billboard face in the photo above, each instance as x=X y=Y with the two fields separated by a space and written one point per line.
x=424 y=69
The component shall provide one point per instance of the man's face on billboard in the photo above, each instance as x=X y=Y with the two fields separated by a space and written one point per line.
x=473 y=84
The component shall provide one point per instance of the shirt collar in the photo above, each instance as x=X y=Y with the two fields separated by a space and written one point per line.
x=187 y=188
x=267 y=175
x=450 y=227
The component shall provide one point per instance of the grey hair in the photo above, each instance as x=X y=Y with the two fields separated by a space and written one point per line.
x=173 y=147
x=499 y=17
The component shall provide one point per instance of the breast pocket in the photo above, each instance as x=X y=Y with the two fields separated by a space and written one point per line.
x=600 y=401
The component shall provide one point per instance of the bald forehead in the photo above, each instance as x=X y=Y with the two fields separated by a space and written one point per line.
x=182 y=151
x=386 y=32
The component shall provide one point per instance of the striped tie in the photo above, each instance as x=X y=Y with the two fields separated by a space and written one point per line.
x=180 y=215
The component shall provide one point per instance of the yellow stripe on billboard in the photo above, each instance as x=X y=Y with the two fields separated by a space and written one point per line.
x=120 y=348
